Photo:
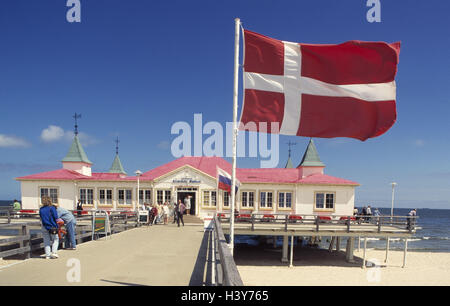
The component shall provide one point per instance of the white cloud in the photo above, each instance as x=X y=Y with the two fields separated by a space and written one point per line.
x=55 y=133
x=52 y=133
x=12 y=141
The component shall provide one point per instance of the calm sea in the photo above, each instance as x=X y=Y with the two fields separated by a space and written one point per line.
x=433 y=235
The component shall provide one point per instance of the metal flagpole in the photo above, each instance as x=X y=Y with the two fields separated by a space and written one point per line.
x=235 y=108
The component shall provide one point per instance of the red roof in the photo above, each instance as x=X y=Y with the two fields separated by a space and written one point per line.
x=206 y=165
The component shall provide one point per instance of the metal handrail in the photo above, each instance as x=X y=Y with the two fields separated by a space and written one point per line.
x=408 y=222
x=227 y=273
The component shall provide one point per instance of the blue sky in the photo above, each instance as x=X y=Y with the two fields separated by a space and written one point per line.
x=133 y=68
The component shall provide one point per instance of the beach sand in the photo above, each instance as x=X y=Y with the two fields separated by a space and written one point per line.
x=318 y=267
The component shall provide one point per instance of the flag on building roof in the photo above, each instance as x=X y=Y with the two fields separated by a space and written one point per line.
x=342 y=90
x=224 y=180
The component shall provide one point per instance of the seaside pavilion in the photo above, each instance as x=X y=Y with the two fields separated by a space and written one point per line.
x=305 y=189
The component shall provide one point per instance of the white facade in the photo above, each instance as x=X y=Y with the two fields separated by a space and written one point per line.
x=251 y=197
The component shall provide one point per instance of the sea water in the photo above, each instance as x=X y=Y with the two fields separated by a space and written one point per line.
x=432 y=235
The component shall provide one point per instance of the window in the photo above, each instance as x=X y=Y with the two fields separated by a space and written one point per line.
x=105 y=196
x=248 y=199
x=284 y=199
x=145 y=196
x=266 y=199
x=163 y=196
x=50 y=192
x=324 y=200
x=125 y=196
x=87 y=196
x=226 y=199
x=209 y=198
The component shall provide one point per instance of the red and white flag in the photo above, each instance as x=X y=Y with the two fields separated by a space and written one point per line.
x=344 y=90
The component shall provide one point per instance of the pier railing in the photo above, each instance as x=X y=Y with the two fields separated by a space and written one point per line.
x=225 y=267
x=25 y=242
x=318 y=222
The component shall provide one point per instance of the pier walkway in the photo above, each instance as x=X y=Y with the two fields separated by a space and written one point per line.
x=155 y=255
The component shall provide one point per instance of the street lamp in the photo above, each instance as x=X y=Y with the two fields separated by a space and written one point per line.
x=138 y=174
x=392 y=206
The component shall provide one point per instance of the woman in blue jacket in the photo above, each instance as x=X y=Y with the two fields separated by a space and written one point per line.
x=48 y=216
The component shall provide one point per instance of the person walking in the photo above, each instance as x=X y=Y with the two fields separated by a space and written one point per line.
x=79 y=208
x=48 y=216
x=70 y=223
x=175 y=211
x=181 y=210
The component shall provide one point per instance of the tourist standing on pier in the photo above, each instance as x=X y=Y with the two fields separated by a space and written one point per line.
x=411 y=215
x=166 y=213
x=369 y=213
x=187 y=204
x=79 y=208
x=181 y=209
x=69 y=222
x=48 y=216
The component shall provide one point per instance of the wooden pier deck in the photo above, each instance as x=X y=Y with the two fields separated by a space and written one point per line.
x=155 y=255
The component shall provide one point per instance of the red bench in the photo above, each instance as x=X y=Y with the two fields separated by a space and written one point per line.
x=346 y=218
x=27 y=211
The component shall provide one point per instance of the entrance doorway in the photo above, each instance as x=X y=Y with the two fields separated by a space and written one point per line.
x=182 y=194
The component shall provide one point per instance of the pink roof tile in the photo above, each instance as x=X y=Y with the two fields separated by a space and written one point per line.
x=60 y=174
x=319 y=179
x=206 y=165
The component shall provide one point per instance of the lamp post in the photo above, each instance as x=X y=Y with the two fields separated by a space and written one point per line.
x=392 y=205
x=138 y=174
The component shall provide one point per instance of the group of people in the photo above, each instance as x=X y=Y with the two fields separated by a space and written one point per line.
x=52 y=218
x=160 y=213
x=366 y=213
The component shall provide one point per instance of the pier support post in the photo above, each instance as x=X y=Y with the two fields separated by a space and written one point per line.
x=292 y=251
x=387 y=249
x=275 y=242
x=349 y=249
x=404 y=252
x=338 y=244
x=330 y=248
x=284 y=256
x=364 y=253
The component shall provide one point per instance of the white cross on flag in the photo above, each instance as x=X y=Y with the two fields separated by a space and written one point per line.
x=344 y=90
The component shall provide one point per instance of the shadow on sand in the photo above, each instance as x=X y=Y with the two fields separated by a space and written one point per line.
x=266 y=255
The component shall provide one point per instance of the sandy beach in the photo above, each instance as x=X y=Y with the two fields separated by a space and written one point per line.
x=318 y=267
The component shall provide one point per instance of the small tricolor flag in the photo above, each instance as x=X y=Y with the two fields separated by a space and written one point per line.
x=224 y=180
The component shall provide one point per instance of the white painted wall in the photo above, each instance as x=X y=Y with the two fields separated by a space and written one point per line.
x=303 y=195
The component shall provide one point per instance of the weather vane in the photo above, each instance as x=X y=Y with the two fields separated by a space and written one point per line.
x=290 y=144
x=76 y=116
x=117 y=145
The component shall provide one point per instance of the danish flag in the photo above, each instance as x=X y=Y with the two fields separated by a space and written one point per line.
x=343 y=90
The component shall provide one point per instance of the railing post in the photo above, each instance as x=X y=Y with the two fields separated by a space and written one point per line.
x=285 y=223
x=26 y=242
x=9 y=216
x=379 y=224
x=253 y=222
x=348 y=224
x=317 y=223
